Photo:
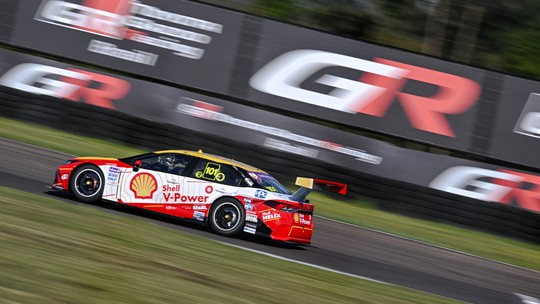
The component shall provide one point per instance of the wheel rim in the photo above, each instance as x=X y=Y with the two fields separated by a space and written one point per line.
x=227 y=216
x=88 y=183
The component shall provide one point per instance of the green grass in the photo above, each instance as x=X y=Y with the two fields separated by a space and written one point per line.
x=53 y=139
x=475 y=242
x=56 y=252
x=356 y=212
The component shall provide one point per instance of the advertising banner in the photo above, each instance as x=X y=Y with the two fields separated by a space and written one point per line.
x=365 y=85
x=269 y=130
x=517 y=135
x=47 y=77
x=177 y=41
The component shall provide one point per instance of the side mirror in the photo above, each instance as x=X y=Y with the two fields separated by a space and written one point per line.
x=137 y=165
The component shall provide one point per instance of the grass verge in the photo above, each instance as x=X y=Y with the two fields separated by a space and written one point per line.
x=356 y=212
x=55 y=252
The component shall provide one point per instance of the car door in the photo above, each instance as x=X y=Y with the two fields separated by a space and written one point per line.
x=156 y=184
x=208 y=181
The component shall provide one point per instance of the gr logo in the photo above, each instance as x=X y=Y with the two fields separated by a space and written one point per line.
x=73 y=84
x=501 y=185
x=529 y=121
x=374 y=92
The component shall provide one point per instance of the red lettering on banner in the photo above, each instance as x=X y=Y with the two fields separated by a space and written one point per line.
x=106 y=18
x=374 y=92
x=109 y=89
x=455 y=95
x=525 y=194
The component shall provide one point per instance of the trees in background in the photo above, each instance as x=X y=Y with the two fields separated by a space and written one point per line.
x=502 y=35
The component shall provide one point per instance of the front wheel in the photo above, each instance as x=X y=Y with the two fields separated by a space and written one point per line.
x=227 y=216
x=87 y=183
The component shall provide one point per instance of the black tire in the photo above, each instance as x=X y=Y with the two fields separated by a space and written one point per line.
x=227 y=217
x=87 y=183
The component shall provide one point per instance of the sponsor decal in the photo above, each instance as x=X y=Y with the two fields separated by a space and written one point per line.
x=247 y=199
x=270 y=216
x=287 y=147
x=64 y=177
x=261 y=194
x=70 y=83
x=251 y=217
x=113 y=175
x=197 y=215
x=172 y=194
x=304 y=219
x=528 y=123
x=212 y=112
x=200 y=207
x=250 y=228
x=169 y=207
x=211 y=172
x=374 y=92
x=248 y=206
x=502 y=185
x=143 y=185
x=135 y=21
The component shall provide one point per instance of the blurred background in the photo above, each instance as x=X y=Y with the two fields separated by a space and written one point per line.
x=428 y=110
x=499 y=35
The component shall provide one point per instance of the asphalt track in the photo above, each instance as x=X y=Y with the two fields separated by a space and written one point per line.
x=335 y=245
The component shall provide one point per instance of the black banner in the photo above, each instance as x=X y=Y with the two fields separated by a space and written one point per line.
x=517 y=135
x=7 y=17
x=365 y=85
x=178 y=41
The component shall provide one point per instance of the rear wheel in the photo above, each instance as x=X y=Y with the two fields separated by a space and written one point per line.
x=87 y=183
x=227 y=217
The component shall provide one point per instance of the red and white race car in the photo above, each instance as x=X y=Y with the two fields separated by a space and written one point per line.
x=228 y=195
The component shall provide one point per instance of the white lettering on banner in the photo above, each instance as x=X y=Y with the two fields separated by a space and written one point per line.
x=112 y=24
x=154 y=12
x=25 y=76
x=211 y=114
x=112 y=50
x=283 y=76
x=379 y=86
x=285 y=146
x=74 y=15
x=531 y=124
x=148 y=25
x=181 y=50
x=528 y=123
x=69 y=83
x=457 y=179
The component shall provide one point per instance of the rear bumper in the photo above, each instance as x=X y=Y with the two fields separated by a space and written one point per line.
x=293 y=233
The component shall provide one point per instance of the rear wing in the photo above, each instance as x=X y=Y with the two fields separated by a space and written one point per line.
x=309 y=184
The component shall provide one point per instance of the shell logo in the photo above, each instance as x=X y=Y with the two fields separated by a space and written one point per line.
x=296 y=219
x=144 y=185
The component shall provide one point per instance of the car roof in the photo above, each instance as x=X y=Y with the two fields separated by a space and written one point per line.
x=213 y=157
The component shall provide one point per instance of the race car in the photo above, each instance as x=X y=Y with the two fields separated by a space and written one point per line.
x=229 y=196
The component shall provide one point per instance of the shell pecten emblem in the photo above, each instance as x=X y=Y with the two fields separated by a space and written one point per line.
x=143 y=185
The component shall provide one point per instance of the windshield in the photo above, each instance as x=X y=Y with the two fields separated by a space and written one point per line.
x=266 y=181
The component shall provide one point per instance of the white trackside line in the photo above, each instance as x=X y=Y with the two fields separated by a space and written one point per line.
x=330 y=269
x=428 y=244
x=306 y=264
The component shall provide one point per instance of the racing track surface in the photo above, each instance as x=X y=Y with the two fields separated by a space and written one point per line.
x=335 y=245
